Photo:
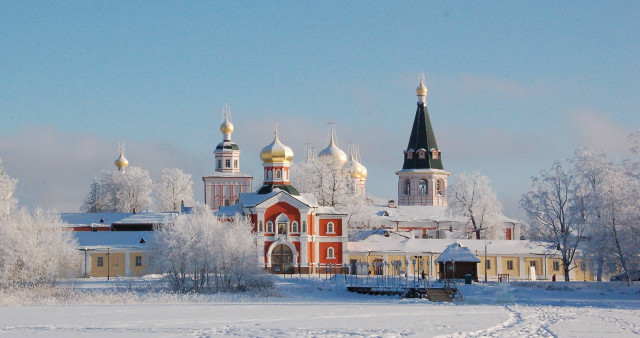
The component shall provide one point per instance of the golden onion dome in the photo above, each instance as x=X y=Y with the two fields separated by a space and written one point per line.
x=363 y=172
x=122 y=161
x=333 y=152
x=353 y=168
x=226 y=127
x=422 y=89
x=276 y=152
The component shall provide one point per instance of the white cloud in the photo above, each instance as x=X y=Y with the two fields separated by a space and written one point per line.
x=594 y=129
x=55 y=169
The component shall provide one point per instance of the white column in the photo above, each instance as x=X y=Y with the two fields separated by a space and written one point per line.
x=127 y=264
x=522 y=268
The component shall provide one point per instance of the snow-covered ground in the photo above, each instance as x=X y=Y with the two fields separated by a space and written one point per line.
x=312 y=307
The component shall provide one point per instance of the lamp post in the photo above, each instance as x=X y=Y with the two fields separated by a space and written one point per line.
x=108 y=262
x=485 y=259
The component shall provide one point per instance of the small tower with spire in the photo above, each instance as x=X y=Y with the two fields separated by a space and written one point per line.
x=422 y=180
x=121 y=162
x=223 y=187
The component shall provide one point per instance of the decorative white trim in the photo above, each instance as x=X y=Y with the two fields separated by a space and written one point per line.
x=287 y=243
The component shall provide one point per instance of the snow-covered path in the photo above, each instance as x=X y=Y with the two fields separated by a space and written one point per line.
x=316 y=308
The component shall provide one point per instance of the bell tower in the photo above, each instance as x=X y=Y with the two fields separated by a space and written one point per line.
x=224 y=186
x=422 y=180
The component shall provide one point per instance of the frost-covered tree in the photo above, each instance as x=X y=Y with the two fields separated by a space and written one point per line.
x=93 y=202
x=7 y=188
x=174 y=187
x=472 y=196
x=204 y=253
x=126 y=191
x=614 y=207
x=36 y=248
x=331 y=184
x=554 y=206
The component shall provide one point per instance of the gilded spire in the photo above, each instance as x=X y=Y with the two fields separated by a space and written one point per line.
x=422 y=89
x=226 y=127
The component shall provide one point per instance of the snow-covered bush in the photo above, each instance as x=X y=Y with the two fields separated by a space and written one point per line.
x=35 y=249
x=203 y=253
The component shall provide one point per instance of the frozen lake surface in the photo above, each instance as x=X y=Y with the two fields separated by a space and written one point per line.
x=322 y=308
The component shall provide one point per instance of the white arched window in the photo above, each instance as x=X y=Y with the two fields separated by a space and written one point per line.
x=269 y=226
x=278 y=174
x=260 y=227
x=331 y=253
x=422 y=187
x=330 y=228
x=294 y=226
x=407 y=187
x=282 y=223
x=268 y=174
x=304 y=226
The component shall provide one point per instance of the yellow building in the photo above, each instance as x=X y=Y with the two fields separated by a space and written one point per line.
x=116 y=253
x=506 y=259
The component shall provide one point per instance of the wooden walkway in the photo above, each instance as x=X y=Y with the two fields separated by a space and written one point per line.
x=433 y=294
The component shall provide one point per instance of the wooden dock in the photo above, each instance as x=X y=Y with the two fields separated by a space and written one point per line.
x=433 y=294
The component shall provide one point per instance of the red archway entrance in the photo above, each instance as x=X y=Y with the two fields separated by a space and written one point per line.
x=281 y=259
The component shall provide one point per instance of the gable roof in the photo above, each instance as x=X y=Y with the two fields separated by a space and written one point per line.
x=457 y=253
x=422 y=136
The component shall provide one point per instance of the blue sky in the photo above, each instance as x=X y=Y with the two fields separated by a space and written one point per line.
x=512 y=85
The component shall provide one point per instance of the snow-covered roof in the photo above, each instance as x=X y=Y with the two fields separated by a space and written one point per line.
x=232 y=210
x=253 y=199
x=114 y=239
x=85 y=218
x=457 y=253
x=396 y=244
x=371 y=233
x=414 y=213
x=147 y=218
x=227 y=174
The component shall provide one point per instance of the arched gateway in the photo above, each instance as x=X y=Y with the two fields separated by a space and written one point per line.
x=282 y=259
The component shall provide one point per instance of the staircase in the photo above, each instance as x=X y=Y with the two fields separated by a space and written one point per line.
x=441 y=295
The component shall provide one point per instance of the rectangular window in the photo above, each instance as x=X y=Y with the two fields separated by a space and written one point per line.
x=282 y=228
x=138 y=260
x=556 y=266
x=583 y=266
x=509 y=265
x=219 y=164
x=235 y=164
x=100 y=261
x=487 y=264
x=227 y=163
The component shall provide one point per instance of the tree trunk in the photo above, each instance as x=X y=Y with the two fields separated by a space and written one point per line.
x=621 y=256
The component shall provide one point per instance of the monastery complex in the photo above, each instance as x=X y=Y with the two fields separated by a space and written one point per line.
x=295 y=234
